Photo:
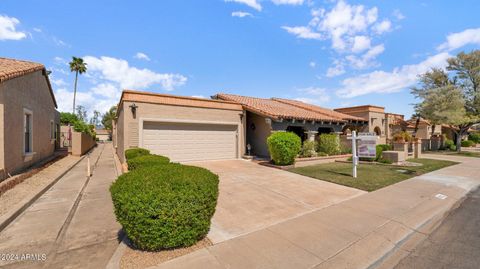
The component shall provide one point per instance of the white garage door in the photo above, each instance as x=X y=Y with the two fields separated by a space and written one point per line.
x=189 y=141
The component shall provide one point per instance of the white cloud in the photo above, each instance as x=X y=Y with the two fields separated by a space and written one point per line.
x=302 y=32
x=398 y=15
x=382 y=27
x=8 y=29
x=287 y=2
x=337 y=70
x=460 y=39
x=241 y=14
x=313 y=95
x=251 y=3
x=312 y=64
x=367 y=59
x=360 y=43
x=142 y=56
x=119 y=71
x=199 y=96
x=58 y=82
x=106 y=90
x=38 y=30
x=387 y=82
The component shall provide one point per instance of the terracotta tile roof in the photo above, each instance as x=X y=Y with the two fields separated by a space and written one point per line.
x=281 y=108
x=326 y=111
x=11 y=68
x=168 y=99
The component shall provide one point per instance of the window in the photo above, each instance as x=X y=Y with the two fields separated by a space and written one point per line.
x=27 y=132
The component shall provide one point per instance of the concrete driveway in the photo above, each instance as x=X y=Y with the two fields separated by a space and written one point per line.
x=253 y=197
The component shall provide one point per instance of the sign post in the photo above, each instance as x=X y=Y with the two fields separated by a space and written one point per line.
x=354 y=153
x=366 y=149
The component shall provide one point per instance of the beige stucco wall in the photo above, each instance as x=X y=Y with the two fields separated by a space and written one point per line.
x=26 y=92
x=81 y=143
x=128 y=126
x=2 y=164
x=258 y=138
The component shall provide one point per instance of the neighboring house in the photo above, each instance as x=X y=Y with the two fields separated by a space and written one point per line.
x=193 y=129
x=265 y=116
x=425 y=130
x=103 y=135
x=385 y=125
x=29 y=121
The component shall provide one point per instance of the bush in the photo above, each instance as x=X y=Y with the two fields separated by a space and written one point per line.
x=468 y=143
x=167 y=206
x=308 y=149
x=322 y=154
x=136 y=152
x=475 y=137
x=381 y=148
x=283 y=147
x=449 y=144
x=329 y=143
x=146 y=161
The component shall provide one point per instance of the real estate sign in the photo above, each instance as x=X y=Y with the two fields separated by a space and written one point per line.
x=367 y=145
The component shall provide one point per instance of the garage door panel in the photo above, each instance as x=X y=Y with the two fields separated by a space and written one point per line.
x=190 y=142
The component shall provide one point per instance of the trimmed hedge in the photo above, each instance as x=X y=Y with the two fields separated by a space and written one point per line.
x=165 y=206
x=136 y=152
x=308 y=149
x=329 y=144
x=284 y=147
x=449 y=144
x=381 y=148
x=146 y=161
x=475 y=137
x=467 y=143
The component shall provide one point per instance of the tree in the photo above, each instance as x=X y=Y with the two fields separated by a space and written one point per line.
x=78 y=66
x=108 y=118
x=95 y=121
x=68 y=118
x=82 y=113
x=451 y=96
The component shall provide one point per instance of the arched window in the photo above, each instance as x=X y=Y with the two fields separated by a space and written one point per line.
x=377 y=131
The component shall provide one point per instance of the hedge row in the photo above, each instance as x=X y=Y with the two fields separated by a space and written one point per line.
x=163 y=205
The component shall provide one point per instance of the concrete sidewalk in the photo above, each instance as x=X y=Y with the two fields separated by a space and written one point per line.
x=72 y=223
x=358 y=233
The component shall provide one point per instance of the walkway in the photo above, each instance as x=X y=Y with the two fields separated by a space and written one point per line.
x=358 y=233
x=72 y=225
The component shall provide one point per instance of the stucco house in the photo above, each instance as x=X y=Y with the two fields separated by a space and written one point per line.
x=385 y=125
x=29 y=121
x=103 y=135
x=192 y=129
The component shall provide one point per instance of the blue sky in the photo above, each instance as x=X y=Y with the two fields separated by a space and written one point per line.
x=330 y=53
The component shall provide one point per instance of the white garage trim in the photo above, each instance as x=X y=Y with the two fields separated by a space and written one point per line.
x=236 y=146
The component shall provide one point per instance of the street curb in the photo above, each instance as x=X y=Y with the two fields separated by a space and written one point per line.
x=390 y=258
x=11 y=215
x=114 y=262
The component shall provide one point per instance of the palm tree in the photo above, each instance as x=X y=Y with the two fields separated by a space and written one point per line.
x=108 y=117
x=78 y=66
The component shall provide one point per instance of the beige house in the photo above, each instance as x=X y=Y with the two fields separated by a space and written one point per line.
x=103 y=135
x=385 y=125
x=29 y=121
x=193 y=129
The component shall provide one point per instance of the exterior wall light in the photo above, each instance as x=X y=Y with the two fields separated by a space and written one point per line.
x=133 y=107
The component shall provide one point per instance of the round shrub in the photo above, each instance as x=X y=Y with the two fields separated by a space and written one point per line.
x=136 y=152
x=475 y=137
x=467 y=143
x=449 y=144
x=329 y=143
x=283 y=147
x=146 y=161
x=166 y=206
x=308 y=149
x=381 y=148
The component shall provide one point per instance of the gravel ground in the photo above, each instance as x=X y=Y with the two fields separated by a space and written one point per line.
x=34 y=183
x=133 y=258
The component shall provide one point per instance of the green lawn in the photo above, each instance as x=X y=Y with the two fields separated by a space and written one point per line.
x=370 y=176
x=454 y=153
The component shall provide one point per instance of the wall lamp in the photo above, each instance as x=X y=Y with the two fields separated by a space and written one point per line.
x=134 y=107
